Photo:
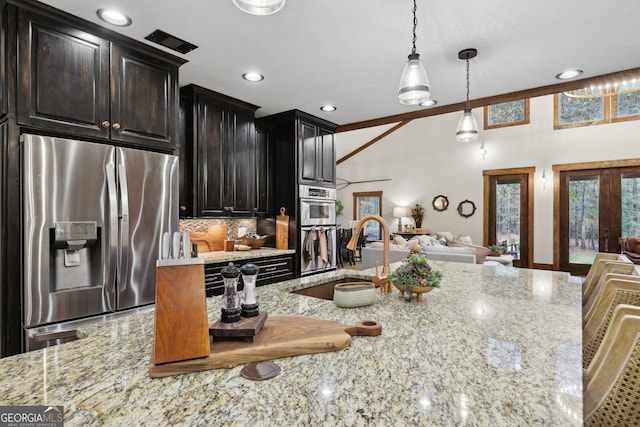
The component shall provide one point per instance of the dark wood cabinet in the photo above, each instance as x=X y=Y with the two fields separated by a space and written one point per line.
x=74 y=82
x=222 y=170
x=264 y=173
x=270 y=270
x=317 y=154
x=303 y=153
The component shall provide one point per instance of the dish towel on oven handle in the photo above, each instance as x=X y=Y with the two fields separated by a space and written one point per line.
x=309 y=249
x=322 y=234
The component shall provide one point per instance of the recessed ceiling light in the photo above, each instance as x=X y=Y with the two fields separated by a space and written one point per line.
x=569 y=74
x=252 y=76
x=328 y=108
x=114 y=17
x=428 y=103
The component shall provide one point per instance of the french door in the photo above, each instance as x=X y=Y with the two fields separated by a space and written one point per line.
x=596 y=208
x=509 y=213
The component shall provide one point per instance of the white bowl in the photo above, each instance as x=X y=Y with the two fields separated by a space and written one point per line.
x=354 y=294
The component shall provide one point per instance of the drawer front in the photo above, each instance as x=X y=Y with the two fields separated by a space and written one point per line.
x=270 y=270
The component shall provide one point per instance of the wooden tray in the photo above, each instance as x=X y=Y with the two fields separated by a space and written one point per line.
x=281 y=336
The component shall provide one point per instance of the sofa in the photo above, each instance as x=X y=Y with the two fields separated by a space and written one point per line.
x=447 y=248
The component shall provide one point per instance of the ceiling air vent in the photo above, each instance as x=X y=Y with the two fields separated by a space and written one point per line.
x=172 y=42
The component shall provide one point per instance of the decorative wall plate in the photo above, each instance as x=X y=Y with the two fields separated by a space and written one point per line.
x=466 y=208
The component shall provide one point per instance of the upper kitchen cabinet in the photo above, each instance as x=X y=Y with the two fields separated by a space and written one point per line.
x=264 y=173
x=220 y=135
x=74 y=81
x=317 y=153
x=303 y=149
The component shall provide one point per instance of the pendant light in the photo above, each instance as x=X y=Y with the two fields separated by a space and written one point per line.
x=467 y=130
x=260 y=7
x=414 y=83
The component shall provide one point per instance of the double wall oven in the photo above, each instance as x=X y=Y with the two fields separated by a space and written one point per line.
x=317 y=244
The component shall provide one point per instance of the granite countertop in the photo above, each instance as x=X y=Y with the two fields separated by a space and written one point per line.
x=222 y=256
x=492 y=346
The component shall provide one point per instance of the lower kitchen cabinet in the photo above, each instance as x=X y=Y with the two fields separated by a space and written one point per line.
x=271 y=270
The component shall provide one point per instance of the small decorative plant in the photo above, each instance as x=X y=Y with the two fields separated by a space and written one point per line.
x=339 y=207
x=417 y=212
x=495 y=250
x=415 y=273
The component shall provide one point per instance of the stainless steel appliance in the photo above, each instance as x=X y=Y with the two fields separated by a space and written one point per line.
x=317 y=250
x=93 y=218
x=317 y=205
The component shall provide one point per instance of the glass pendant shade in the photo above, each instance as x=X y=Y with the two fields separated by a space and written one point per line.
x=414 y=83
x=467 y=130
x=260 y=7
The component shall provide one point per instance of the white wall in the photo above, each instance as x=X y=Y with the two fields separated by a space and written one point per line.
x=423 y=160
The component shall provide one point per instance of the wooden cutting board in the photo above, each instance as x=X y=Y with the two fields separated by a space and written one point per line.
x=210 y=240
x=282 y=230
x=281 y=336
x=181 y=310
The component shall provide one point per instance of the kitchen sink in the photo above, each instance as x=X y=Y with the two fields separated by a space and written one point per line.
x=325 y=290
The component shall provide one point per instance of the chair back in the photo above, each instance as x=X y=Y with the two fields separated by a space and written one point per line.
x=617 y=289
x=611 y=386
x=602 y=267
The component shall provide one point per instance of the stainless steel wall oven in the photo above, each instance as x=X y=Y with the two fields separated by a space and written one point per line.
x=317 y=238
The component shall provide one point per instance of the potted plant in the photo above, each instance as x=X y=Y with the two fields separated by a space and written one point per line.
x=417 y=212
x=495 y=250
x=415 y=275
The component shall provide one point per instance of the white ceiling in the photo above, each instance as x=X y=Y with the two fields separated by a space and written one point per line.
x=351 y=52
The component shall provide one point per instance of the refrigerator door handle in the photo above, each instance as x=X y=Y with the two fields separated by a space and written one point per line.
x=124 y=227
x=113 y=233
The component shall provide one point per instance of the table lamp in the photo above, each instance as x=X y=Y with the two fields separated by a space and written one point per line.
x=400 y=212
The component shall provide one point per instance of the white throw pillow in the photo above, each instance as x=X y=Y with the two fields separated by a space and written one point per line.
x=400 y=241
x=444 y=235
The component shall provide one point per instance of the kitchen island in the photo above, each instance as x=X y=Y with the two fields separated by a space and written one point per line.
x=492 y=346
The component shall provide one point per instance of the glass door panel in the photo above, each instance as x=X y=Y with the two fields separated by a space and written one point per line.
x=508 y=216
x=630 y=205
x=584 y=219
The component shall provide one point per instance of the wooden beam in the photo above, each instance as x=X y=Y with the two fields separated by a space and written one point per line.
x=631 y=74
x=373 y=141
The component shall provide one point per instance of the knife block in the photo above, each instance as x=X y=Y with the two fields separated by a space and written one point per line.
x=181 y=329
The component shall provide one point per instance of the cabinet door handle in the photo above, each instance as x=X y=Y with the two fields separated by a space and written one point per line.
x=116 y=126
x=267 y=270
x=105 y=124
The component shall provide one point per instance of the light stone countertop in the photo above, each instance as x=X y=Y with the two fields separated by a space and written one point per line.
x=222 y=256
x=493 y=346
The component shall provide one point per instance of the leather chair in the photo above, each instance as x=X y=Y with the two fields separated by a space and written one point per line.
x=611 y=386
x=631 y=248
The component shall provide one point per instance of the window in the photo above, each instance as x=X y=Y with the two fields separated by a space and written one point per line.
x=506 y=114
x=366 y=203
x=597 y=105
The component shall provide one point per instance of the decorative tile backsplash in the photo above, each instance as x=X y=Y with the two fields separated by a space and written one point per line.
x=233 y=224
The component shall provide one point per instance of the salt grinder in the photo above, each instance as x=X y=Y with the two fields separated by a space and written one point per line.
x=230 y=299
x=250 y=302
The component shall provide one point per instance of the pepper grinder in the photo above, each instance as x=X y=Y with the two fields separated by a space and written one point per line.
x=250 y=302
x=230 y=299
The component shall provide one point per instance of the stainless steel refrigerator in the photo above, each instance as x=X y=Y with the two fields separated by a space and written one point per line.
x=93 y=217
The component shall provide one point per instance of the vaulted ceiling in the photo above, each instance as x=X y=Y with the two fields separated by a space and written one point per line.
x=350 y=53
